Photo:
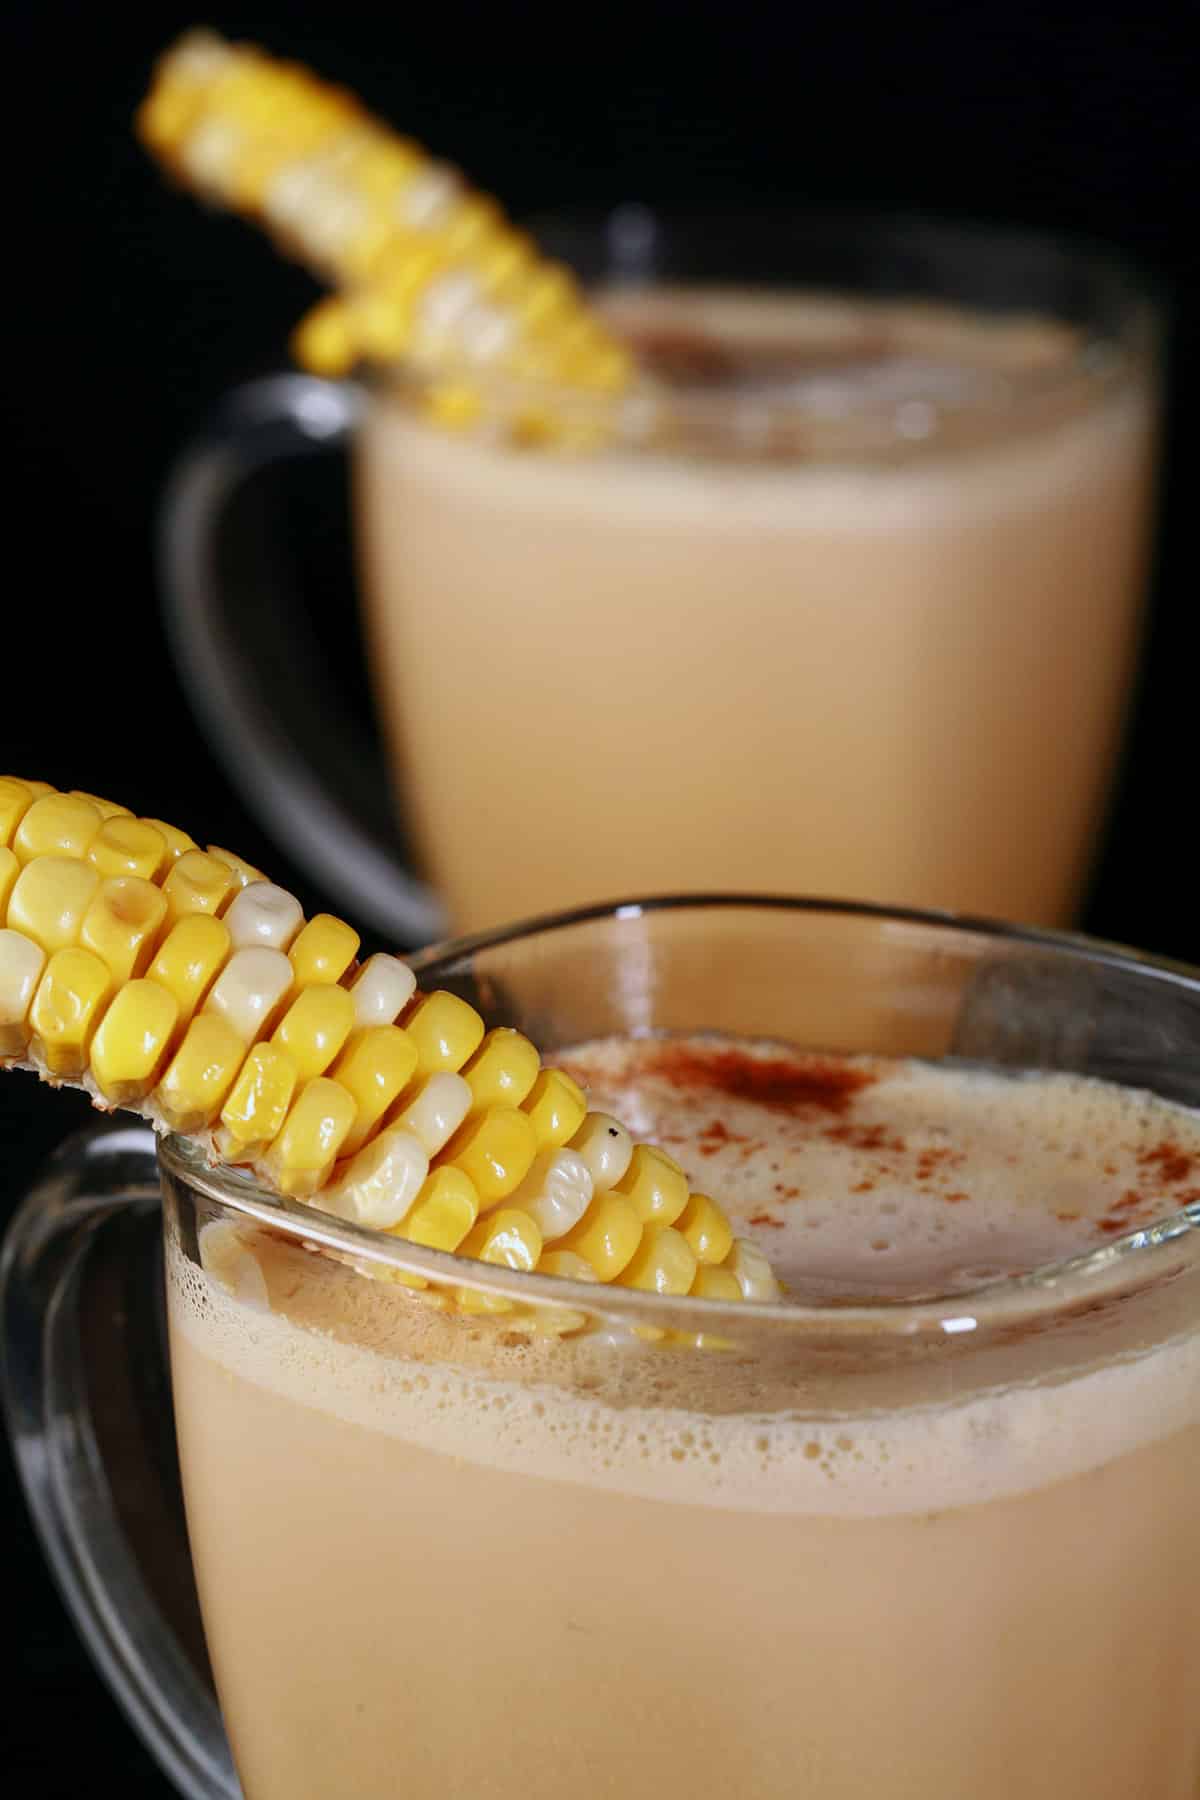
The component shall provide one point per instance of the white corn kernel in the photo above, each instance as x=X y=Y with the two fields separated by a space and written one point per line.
x=556 y=1192
x=248 y=990
x=606 y=1147
x=436 y=1110
x=21 y=965
x=381 y=990
x=378 y=1185
x=263 y=914
x=229 y=1261
x=750 y=1269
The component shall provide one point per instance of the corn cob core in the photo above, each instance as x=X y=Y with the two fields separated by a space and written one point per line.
x=426 y=270
x=180 y=984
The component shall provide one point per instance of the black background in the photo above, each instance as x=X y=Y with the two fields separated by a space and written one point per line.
x=128 y=309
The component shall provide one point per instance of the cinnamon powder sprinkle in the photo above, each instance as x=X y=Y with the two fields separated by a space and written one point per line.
x=791 y=1084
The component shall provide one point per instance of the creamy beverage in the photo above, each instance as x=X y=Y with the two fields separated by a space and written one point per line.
x=862 y=621
x=437 y=1557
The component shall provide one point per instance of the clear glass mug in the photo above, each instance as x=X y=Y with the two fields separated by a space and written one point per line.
x=929 y=1549
x=887 y=574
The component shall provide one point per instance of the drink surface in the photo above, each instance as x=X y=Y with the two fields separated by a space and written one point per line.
x=892 y=563
x=907 y=1581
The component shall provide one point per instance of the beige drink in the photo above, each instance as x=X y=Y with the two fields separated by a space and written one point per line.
x=437 y=1559
x=866 y=626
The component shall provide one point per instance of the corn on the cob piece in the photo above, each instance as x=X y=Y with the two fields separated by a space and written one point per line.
x=131 y=985
x=427 y=269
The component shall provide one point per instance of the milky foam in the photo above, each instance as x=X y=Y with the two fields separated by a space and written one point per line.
x=366 y=1354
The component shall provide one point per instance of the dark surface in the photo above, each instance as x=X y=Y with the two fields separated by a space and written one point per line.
x=129 y=310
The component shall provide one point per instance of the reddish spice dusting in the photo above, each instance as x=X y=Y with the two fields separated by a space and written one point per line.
x=956 y=1198
x=789 y=1083
x=866 y=1137
x=763 y=1218
x=718 y=1131
x=863 y=1187
x=1068 y=1218
x=787 y=1193
x=1168 y=1162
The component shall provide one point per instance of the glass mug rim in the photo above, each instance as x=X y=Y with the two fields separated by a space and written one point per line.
x=1136 y=1259
x=1110 y=355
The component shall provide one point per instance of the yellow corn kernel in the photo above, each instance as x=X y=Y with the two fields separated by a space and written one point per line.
x=434 y=1109
x=254 y=1114
x=566 y=1265
x=663 y=1262
x=443 y=1212
x=132 y=1041
x=556 y=1107
x=21 y=965
x=555 y=1193
x=122 y=924
x=656 y=1184
x=606 y=1236
x=56 y=825
x=381 y=990
x=706 y=1229
x=177 y=842
x=315 y=1027
x=126 y=846
x=16 y=798
x=374 y=1068
x=508 y=1239
x=452 y=404
x=249 y=990
x=263 y=914
x=49 y=899
x=446 y=1031
x=323 y=951
x=66 y=1010
x=200 y=1074
x=752 y=1272
x=10 y=868
x=502 y=1070
x=325 y=341
x=189 y=958
x=243 y=873
x=496 y=1149
x=196 y=883
x=605 y=1146
x=715 y=1284
x=378 y=1184
x=108 y=809
x=300 y=1158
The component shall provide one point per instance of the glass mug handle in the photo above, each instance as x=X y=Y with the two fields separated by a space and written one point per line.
x=267 y=422
x=75 y=1282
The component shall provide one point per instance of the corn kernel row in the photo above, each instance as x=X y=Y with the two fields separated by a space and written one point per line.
x=426 y=269
x=180 y=983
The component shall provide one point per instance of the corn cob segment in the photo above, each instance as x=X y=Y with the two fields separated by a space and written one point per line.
x=425 y=268
x=259 y=1034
